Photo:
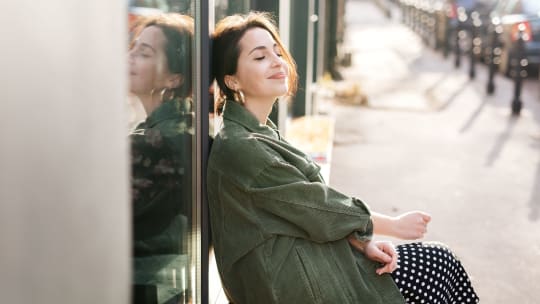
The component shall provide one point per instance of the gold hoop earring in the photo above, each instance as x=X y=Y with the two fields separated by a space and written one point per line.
x=165 y=92
x=239 y=97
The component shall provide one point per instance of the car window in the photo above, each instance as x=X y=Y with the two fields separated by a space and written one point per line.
x=531 y=7
x=467 y=4
x=500 y=9
x=511 y=7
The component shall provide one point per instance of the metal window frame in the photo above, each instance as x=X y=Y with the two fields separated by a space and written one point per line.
x=201 y=76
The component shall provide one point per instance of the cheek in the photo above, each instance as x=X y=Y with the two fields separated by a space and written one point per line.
x=252 y=84
x=159 y=67
x=146 y=72
x=252 y=76
x=147 y=68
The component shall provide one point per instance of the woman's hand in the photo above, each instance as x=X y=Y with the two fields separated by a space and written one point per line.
x=411 y=225
x=378 y=251
x=407 y=226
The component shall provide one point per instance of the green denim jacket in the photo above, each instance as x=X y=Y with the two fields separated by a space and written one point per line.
x=279 y=231
x=161 y=179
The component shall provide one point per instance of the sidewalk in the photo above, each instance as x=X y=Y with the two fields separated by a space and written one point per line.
x=431 y=139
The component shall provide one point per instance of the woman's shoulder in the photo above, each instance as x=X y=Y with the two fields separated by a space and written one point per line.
x=174 y=125
x=237 y=140
x=235 y=148
x=168 y=134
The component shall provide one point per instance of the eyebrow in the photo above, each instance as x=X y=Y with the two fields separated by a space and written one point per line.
x=143 y=44
x=261 y=47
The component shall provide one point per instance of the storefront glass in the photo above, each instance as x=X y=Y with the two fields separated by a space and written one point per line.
x=162 y=132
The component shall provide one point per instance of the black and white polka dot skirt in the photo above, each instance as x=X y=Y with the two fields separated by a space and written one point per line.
x=430 y=273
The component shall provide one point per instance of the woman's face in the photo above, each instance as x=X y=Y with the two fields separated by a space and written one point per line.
x=261 y=71
x=147 y=62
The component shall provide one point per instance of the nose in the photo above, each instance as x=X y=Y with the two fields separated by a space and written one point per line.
x=277 y=60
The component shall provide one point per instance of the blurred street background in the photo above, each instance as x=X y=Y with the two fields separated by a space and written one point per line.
x=429 y=137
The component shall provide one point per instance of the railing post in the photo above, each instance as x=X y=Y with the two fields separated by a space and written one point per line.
x=457 y=48
x=475 y=43
x=494 y=56
x=447 y=33
x=519 y=70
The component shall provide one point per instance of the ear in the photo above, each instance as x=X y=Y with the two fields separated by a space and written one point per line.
x=231 y=82
x=175 y=80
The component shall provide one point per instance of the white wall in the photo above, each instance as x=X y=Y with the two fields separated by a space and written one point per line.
x=64 y=205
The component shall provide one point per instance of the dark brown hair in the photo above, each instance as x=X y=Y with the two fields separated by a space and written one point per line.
x=226 y=50
x=178 y=30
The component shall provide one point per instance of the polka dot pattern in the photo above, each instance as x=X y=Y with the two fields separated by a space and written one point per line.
x=430 y=273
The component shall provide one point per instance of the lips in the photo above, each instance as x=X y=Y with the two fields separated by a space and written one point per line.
x=279 y=75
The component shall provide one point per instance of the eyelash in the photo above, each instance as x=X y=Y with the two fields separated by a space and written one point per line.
x=262 y=57
x=141 y=53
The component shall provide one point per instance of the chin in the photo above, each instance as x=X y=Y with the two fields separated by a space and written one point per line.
x=281 y=92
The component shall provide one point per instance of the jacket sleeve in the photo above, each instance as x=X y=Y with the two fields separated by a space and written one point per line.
x=293 y=205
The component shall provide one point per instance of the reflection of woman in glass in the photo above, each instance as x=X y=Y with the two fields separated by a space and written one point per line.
x=159 y=74
x=281 y=235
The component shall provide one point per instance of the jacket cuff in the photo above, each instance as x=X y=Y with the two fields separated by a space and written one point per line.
x=365 y=235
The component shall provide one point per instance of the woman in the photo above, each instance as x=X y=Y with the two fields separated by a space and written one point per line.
x=159 y=75
x=280 y=234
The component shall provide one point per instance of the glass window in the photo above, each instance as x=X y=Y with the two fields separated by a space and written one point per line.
x=500 y=7
x=531 y=7
x=162 y=135
x=230 y=7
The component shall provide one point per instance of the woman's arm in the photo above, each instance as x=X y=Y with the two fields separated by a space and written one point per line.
x=408 y=226
x=291 y=205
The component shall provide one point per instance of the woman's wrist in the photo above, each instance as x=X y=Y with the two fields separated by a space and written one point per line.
x=393 y=229
x=359 y=243
x=363 y=245
x=385 y=224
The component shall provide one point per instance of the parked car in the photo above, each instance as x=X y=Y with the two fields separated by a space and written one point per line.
x=454 y=16
x=511 y=16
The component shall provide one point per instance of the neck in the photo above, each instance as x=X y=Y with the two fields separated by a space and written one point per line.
x=150 y=102
x=260 y=108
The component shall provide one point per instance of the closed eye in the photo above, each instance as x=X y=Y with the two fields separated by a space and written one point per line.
x=142 y=53
x=259 y=58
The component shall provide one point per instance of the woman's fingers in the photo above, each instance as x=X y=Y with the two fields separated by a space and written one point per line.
x=412 y=225
x=388 y=249
x=378 y=251
x=384 y=253
x=427 y=217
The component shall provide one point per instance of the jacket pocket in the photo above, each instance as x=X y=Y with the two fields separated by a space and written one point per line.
x=382 y=287
x=308 y=276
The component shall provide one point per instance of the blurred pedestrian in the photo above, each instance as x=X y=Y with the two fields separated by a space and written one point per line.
x=281 y=235
x=160 y=76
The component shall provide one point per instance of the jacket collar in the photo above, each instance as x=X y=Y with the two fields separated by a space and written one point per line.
x=168 y=110
x=233 y=111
